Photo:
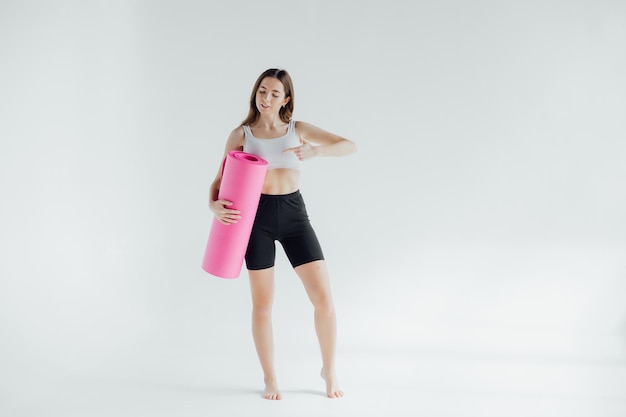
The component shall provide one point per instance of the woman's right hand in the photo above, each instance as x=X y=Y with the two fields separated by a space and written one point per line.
x=223 y=213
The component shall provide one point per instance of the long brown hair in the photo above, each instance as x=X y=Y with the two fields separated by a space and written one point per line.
x=284 y=112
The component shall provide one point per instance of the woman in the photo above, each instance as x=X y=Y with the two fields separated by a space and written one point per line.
x=269 y=132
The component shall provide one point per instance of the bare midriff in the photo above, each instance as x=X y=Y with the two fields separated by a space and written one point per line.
x=281 y=181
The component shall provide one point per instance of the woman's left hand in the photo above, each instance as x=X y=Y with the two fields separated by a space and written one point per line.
x=304 y=151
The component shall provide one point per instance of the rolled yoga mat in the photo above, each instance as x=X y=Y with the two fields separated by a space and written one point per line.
x=242 y=181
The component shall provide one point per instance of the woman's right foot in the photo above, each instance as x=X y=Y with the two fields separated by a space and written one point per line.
x=271 y=390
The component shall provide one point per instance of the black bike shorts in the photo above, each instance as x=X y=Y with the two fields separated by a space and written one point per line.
x=283 y=218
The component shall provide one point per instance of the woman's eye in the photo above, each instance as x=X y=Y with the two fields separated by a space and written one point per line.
x=275 y=95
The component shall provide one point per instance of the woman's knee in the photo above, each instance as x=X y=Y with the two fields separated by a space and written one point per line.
x=262 y=309
x=324 y=306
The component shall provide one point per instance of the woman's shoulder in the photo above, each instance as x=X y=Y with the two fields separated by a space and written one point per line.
x=238 y=129
x=302 y=126
x=236 y=137
x=299 y=124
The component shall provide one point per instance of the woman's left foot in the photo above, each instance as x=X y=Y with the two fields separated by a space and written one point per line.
x=332 y=384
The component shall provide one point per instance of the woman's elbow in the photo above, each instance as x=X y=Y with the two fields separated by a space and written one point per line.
x=352 y=148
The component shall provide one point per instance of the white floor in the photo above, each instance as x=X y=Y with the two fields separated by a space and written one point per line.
x=388 y=382
x=413 y=347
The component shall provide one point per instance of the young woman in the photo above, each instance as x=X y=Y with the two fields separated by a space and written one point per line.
x=270 y=133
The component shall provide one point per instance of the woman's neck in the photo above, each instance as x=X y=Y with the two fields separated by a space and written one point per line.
x=269 y=122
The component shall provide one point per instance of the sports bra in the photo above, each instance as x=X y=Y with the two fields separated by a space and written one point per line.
x=272 y=149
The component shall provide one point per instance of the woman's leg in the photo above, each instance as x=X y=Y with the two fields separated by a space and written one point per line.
x=314 y=276
x=262 y=289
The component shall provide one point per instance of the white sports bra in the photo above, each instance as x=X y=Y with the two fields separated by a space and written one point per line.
x=272 y=149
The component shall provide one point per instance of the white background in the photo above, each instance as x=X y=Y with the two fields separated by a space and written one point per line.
x=484 y=213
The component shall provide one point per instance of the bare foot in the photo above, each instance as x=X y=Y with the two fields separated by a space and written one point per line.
x=332 y=384
x=271 y=390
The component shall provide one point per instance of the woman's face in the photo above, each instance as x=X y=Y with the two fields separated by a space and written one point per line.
x=270 y=96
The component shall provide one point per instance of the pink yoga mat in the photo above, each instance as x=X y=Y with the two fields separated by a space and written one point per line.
x=242 y=181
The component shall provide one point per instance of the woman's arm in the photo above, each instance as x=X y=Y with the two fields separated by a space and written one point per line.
x=327 y=144
x=219 y=207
